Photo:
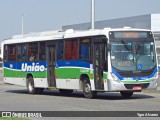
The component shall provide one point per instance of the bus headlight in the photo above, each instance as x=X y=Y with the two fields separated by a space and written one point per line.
x=115 y=78
x=155 y=76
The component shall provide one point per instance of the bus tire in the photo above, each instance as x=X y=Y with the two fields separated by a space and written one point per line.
x=126 y=94
x=30 y=86
x=88 y=93
x=65 y=92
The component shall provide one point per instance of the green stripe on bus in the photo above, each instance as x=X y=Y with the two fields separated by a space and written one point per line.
x=62 y=73
x=20 y=74
x=136 y=81
x=74 y=73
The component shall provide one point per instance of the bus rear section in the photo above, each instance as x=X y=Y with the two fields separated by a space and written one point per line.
x=66 y=64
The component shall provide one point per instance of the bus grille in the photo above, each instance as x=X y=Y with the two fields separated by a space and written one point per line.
x=131 y=74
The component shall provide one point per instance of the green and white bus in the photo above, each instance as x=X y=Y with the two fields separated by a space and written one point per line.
x=107 y=60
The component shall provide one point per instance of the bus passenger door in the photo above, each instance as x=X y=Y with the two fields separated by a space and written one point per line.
x=51 y=62
x=99 y=60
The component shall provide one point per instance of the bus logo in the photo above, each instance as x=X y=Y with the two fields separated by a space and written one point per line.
x=34 y=67
x=11 y=65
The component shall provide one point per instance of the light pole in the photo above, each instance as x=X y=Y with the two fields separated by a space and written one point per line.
x=92 y=14
x=22 y=25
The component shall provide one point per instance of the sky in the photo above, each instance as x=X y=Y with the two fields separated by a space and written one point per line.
x=46 y=15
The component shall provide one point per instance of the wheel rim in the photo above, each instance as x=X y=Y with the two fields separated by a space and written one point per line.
x=30 y=86
x=87 y=88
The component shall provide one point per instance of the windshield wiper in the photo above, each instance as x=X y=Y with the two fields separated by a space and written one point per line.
x=137 y=49
x=124 y=43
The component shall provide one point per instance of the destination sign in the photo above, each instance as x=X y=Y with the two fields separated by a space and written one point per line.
x=130 y=34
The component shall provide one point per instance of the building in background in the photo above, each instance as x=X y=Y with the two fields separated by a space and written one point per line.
x=149 y=21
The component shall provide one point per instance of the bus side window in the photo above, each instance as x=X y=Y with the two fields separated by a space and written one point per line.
x=85 y=49
x=42 y=51
x=75 y=49
x=68 y=50
x=5 y=53
x=21 y=52
x=71 y=49
x=60 y=50
x=11 y=52
x=33 y=52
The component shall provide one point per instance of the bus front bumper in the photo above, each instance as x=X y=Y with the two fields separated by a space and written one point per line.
x=136 y=86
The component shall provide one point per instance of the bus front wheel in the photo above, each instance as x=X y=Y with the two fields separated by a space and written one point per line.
x=126 y=94
x=88 y=93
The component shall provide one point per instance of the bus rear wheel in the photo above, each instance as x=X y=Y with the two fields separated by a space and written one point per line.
x=30 y=85
x=88 y=93
x=31 y=89
x=126 y=94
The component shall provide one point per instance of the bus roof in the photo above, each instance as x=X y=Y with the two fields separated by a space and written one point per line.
x=57 y=35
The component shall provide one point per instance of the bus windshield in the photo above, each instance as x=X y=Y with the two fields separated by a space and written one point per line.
x=133 y=56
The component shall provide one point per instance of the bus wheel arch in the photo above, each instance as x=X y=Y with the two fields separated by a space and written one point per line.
x=84 y=77
x=86 y=86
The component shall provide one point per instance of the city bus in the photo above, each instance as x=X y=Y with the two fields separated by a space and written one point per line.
x=106 y=60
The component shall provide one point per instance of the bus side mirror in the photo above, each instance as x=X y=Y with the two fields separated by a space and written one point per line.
x=109 y=47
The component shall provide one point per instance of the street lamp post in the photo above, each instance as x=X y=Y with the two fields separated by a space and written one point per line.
x=22 y=25
x=92 y=14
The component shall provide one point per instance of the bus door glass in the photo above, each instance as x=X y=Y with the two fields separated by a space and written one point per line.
x=51 y=65
x=100 y=65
